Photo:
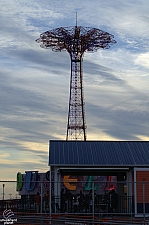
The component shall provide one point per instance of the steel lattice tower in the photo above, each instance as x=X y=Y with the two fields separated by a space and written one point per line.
x=76 y=40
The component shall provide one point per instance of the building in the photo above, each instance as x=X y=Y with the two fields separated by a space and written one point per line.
x=128 y=161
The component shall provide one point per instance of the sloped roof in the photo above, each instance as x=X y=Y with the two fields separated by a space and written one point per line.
x=99 y=153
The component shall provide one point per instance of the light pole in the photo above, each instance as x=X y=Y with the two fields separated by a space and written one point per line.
x=3 y=193
x=10 y=195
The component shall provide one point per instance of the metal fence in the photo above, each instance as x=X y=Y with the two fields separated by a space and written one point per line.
x=59 y=200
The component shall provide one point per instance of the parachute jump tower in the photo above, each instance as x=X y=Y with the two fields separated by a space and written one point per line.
x=76 y=40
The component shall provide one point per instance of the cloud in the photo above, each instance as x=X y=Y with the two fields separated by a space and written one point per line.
x=34 y=82
x=117 y=112
x=4 y=155
x=143 y=60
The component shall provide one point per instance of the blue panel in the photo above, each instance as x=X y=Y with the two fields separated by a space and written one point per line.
x=101 y=153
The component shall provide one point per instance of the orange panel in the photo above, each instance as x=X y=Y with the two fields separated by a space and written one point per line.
x=142 y=185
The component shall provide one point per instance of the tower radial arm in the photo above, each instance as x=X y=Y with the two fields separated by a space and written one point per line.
x=76 y=40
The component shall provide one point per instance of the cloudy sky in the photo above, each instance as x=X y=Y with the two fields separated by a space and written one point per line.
x=34 y=82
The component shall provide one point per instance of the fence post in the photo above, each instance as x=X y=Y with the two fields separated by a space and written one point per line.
x=50 y=198
x=93 y=198
x=41 y=191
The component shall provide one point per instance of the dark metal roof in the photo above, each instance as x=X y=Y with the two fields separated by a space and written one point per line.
x=99 y=153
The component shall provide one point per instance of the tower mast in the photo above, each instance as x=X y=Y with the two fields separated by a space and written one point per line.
x=76 y=126
x=76 y=40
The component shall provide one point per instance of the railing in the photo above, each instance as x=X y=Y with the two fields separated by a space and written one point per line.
x=69 y=206
x=98 y=204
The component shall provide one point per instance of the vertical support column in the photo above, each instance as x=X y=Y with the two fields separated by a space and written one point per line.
x=130 y=186
x=76 y=114
x=57 y=189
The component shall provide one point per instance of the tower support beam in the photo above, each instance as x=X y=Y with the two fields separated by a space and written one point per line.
x=76 y=127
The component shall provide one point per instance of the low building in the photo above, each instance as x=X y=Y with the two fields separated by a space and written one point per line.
x=126 y=161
